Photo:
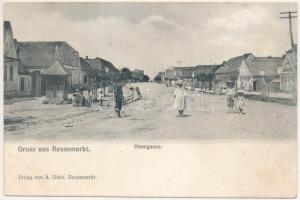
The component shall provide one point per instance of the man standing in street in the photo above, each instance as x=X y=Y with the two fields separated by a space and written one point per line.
x=118 y=91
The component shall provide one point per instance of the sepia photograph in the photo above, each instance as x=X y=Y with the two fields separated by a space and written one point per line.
x=207 y=90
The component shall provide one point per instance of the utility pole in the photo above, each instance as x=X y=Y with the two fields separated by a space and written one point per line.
x=289 y=16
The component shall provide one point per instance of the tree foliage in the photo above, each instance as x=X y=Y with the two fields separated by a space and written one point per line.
x=125 y=74
x=157 y=78
x=146 y=78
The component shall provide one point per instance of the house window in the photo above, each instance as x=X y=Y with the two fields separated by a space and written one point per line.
x=11 y=73
x=85 y=79
x=22 y=84
x=5 y=72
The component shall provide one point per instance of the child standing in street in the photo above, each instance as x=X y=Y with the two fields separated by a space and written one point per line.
x=101 y=96
x=240 y=102
x=138 y=92
x=131 y=95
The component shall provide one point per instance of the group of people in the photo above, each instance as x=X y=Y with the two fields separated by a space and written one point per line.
x=135 y=92
x=119 y=97
x=235 y=99
x=79 y=99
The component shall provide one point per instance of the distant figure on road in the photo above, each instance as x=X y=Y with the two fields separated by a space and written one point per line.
x=180 y=95
x=131 y=95
x=230 y=94
x=138 y=92
x=118 y=91
x=173 y=83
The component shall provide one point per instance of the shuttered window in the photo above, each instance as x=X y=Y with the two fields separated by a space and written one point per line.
x=22 y=84
x=11 y=73
x=5 y=72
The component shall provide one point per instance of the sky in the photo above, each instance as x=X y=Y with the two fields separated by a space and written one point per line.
x=155 y=36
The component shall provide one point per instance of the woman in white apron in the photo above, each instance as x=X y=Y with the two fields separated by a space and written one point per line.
x=180 y=95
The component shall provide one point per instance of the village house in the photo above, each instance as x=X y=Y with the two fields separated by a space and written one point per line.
x=89 y=74
x=175 y=73
x=137 y=75
x=169 y=74
x=17 y=80
x=162 y=76
x=229 y=71
x=106 y=72
x=254 y=71
x=38 y=56
x=191 y=75
x=204 y=75
x=112 y=71
x=288 y=71
x=249 y=72
x=187 y=74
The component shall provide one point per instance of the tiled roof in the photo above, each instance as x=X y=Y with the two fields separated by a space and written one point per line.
x=84 y=65
x=42 y=54
x=185 y=72
x=100 y=64
x=232 y=65
x=56 y=69
x=95 y=63
x=267 y=64
x=205 y=69
x=109 y=65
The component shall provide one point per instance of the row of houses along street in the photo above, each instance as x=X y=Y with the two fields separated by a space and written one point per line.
x=52 y=68
x=248 y=72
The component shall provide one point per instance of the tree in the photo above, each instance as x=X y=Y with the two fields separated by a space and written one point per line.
x=146 y=78
x=210 y=78
x=202 y=78
x=157 y=78
x=125 y=74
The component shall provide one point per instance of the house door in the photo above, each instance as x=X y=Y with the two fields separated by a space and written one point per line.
x=255 y=85
x=22 y=84
x=36 y=83
x=43 y=86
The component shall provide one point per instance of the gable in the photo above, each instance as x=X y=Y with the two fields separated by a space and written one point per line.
x=290 y=63
x=8 y=43
x=42 y=54
x=244 y=70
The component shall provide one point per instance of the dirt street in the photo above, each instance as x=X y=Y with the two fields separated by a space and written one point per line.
x=150 y=119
